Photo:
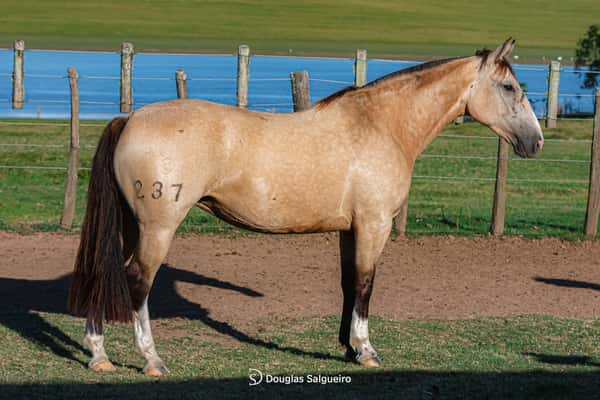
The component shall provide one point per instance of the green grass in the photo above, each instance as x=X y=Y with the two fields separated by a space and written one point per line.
x=548 y=28
x=517 y=357
x=31 y=200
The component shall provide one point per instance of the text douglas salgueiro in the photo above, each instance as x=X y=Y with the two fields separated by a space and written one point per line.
x=319 y=379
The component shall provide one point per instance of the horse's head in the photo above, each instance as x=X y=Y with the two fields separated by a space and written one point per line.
x=497 y=100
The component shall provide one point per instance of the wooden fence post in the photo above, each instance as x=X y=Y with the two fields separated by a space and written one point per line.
x=181 y=82
x=360 y=68
x=552 y=99
x=300 y=90
x=243 y=75
x=18 y=72
x=127 y=53
x=593 y=203
x=499 y=204
x=71 y=187
x=402 y=218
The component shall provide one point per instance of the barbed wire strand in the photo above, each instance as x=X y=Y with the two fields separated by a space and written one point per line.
x=575 y=71
x=449 y=135
x=330 y=81
x=50 y=145
x=150 y=78
x=47 y=124
x=484 y=158
x=432 y=177
x=441 y=156
x=213 y=79
x=46 y=76
x=271 y=105
x=464 y=178
x=108 y=78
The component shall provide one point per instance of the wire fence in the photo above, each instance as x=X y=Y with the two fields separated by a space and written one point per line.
x=333 y=84
x=422 y=157
x=564 y=113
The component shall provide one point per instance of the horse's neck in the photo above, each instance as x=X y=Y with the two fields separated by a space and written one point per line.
x=416 y=107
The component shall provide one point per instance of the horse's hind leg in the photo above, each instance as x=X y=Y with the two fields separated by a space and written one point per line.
x=153 y=245
x=94 y=342
x=360 y=250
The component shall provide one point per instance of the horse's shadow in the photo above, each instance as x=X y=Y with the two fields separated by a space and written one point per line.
x=21 y=299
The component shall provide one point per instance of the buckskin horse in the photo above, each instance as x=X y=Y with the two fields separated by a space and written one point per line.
x=343 y=165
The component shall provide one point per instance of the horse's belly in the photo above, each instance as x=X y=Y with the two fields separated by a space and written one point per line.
x=275 y=217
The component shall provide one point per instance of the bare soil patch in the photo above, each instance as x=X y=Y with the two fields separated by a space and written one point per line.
x=249 y=281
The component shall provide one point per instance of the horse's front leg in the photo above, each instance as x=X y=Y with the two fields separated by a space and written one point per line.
x=367 y=242
x=94 y=342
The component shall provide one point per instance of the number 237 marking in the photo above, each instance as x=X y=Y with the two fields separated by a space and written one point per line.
x=157 y=189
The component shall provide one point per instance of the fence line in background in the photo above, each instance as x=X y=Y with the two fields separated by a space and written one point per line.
x=181 y=84
x=70 y=198
x=552 y=101
x=127 y=53
x=415 y=177
x=126 y=92
x=426 y=155
x=499 y=201
x=360 y=68
x=449 y=135
x=300 y=88
x=593 y=203
x=18 y=71
x=243 y=75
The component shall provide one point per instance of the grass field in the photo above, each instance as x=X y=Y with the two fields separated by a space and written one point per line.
x=384 y=27
x=32 y=199
x=494 y=358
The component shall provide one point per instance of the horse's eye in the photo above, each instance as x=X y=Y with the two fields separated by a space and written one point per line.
x=508 y=87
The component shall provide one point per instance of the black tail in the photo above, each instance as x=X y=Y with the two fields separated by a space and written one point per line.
x=99 y=288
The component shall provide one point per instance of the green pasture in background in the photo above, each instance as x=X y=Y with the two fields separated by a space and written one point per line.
x=421 y=29
x=544 y=197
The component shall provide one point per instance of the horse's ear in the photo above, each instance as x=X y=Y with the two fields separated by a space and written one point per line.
x=503 y=51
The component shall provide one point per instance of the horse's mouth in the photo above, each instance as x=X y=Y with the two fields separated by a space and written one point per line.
x=529 y=148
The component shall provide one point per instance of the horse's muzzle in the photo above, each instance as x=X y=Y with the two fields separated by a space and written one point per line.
x=529 y=147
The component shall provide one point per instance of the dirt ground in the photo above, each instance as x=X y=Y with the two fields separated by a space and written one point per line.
x=244 y=280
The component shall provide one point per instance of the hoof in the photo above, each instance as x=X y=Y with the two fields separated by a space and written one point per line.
x=156 y=372
x=369 y=360
x=102 y=365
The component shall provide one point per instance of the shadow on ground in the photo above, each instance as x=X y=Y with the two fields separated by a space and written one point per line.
x=379 y=385
x=20 y=299
x=567 y=283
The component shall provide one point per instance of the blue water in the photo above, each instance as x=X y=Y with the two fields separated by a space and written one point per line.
x=213 y=77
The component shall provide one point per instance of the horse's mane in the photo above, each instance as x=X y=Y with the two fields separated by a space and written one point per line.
x=503 y=64
x=484 y=54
